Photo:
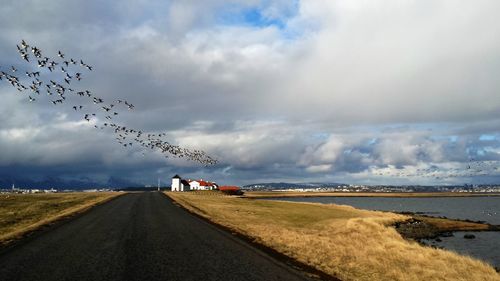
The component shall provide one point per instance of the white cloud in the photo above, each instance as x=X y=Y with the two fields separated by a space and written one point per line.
x=319 y=168
x=353 y=70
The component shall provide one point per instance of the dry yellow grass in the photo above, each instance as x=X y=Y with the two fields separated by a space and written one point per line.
x=22 y=213
x=453 y=225
x=342 y=241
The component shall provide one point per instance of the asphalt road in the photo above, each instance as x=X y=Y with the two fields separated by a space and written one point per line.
x=140 y=236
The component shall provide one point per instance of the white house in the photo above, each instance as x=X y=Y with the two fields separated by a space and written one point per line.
x=179 y=184
x=202 y=185
x=194 y=185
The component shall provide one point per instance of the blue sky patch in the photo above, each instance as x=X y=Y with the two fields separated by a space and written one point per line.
x=372 y=141
x=487 y=137
x=255 y=16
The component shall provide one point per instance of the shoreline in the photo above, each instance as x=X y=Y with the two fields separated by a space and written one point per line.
x=418 y=227
x=421 y=227
x=300 y=194
x=315 y=235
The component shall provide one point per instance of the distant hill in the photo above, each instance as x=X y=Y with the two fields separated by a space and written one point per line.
x=114 y=182
x=61 y=184
x=288 y=185
x=373 y=188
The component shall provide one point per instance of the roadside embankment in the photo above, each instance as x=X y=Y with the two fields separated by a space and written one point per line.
x=21 y=214
x=342 y=241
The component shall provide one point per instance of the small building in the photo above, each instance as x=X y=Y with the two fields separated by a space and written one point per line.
x=178 y=184
x=202 y=185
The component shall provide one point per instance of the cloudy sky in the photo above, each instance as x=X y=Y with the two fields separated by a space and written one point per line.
x=374 y=92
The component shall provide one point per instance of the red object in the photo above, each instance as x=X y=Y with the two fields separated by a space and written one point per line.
x=228 y=188
x=231 y=190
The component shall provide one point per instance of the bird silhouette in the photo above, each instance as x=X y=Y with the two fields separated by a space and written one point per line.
x=126 y=136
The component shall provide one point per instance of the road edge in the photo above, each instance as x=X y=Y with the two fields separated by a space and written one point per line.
x=31 y=233
x=287 y=260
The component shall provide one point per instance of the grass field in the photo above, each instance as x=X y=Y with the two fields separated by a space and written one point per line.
x=22 y=213
x=274 y=194
x=453 y=225
x=342 y=241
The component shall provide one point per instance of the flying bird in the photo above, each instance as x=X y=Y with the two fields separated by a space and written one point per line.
x=126 y=136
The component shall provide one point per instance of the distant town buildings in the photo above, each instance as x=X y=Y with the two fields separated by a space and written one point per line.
x=21 y=190
x=317 y=187
x=27 y=190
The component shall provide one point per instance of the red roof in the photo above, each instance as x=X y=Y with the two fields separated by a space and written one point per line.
x=229 y=188
x=205 y=183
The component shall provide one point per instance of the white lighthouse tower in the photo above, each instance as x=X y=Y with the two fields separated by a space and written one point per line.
x=176 y=183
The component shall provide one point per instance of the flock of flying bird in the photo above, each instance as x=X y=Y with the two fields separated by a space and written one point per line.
x=472 y=168
x=60 y=91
